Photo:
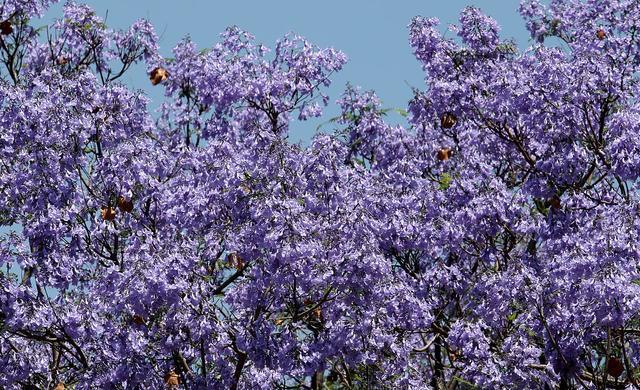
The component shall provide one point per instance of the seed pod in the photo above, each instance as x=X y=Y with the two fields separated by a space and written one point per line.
x=444 y=154
x=615 y=368
x=59 y=386
x=62 y=60
x=138 y=319
x=125 y=205
x=601 y=34
x=235 y=261
x=6 y=28
x=108 y=213
x=448 y=120
x=554 y=202
x=158 y=75
x=317 y=312
x=172 y=379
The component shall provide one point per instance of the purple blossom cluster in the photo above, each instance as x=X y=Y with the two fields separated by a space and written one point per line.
x=491 y=242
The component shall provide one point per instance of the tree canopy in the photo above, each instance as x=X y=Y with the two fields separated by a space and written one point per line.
x=490 y=242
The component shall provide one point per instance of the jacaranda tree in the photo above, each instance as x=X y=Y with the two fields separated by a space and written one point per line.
x=491 y=242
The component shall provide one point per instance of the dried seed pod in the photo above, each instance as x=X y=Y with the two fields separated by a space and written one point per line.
x=125 y=205
x=6 y=28
x=554 y=202
x=59 y=386
x=108 y=213
x=444 y=154
x=158 y=75
x=138 y=319
x=601 y=34
x=317 y=313
x=448 y=120
x=235 y=261
x=615 y=368
x=172 y=379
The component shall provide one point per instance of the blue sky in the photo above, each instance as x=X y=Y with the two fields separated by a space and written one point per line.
x=373 y=34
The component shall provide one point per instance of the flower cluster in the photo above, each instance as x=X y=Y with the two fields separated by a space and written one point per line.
x=490 y=242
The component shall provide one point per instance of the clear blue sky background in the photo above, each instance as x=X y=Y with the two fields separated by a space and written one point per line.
x=373 y=34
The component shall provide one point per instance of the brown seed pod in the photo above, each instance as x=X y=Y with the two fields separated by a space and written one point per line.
x=554 y=202
x=158 y=75
x=615 y=368
x=6 y=28
x=235 y=261
x=62 y=60
x=138 y=319
x=108 y=213
x=601 y=34
x=317 y=312
x=59 y=386
x=125 y=205
x=444 y=154
x=448 y=120
x=172 y=379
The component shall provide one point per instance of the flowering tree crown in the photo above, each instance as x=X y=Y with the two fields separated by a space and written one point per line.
x=492 y=241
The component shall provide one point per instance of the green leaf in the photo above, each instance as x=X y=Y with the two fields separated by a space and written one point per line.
x=445 y=181
x=402 y=112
